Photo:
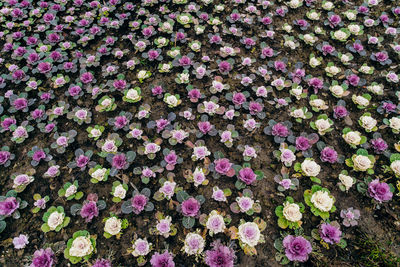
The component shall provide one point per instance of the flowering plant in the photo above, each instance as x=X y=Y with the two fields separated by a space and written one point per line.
x=80 y=247
x=249 y=235
x=138 y=202
x=9 y=206
x=54 y=219
x=90 y=207
x=70 y=191
x=164 y=226
x=118 y=191
x=289 y=214
x=113 y=226
x=320 y=201
x=245 y=203
x=362 y=161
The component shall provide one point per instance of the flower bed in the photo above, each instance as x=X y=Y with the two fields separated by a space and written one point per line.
x=175 y=132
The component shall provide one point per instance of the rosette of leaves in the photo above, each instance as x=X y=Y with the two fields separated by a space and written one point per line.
x=143 y=75
x=114 y=137
x=294 y=182
x=101 y=204
x=37 y=197
x=181 y=196
x=234 y=134
x=299 y=170
x=24 y=125
x=46 y=228
x=168 y=134
x=47 y=127
x=220 y=110
x=41 y=108
x=75 y=91
x=12 y=195
x=63 y=191
x=159 y=196
x=234 y=234
x=7 y=128
x=342 y=187
x=393 y=158
x=256 y=208
x=362 y=187
x=127 y=115
x=315 y=108
x=104 y=176
x=217 y=155
x=361 y=152
x=115 y=184
x=169 y=166
x=229 y=97
x=315 y=234
x=363 y=139
x=59 y=81
x=344 y=87
x=307 y=114
x=261 y=115
x=366 y=96
x=79 y=153
x=28 y=178
x=124 y=225
x=72 y=115
x=177 y=101
x=282 y=221
x=164 y=67
x=204 y=218
x=268 y=130
x=160 y=216
x=34 y=149
x=382 y=110
x=242 y=148
x=106 y=103
x=13 y=98
x=321 y=145
x=212 y=132
x=340 y=35
x=127 y=206
x=73 y=259
x=189 y=176
x=70 y=136
x=317 y=212
x=142 y=149
x=239 y=184
x=58 y=110
x=129 y=157
x=146 y=180
x=322 y=117
x=277 y=153
x=185 y=19
x=132 y=95
x=135 y=131
x=280 y=256
x=52 y=164
x=170 y=118
x=387 y=122
x=95 y=132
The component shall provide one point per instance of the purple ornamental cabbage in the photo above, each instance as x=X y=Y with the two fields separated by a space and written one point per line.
x=43 y=258
x=220 y=255
x=380 y=191
x=8 y=206
x=297 y=248
x=190 y=207
x=329 y=233
x=165 y=259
